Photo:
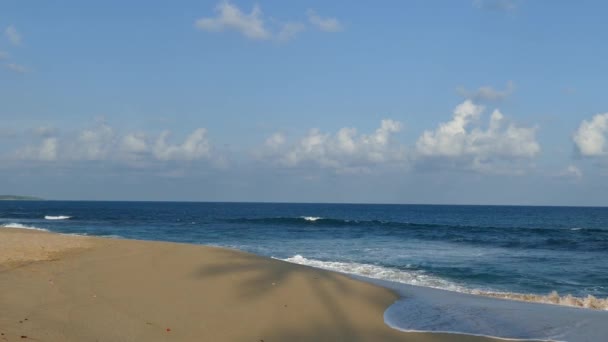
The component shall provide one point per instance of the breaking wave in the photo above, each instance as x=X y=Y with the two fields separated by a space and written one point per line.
x=412 y=277
x=311 y=218
x=420 y=278
x=589 y=302
x=60 y=217
x=21 y=226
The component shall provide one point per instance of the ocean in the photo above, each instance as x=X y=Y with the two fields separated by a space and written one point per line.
x=517 y=252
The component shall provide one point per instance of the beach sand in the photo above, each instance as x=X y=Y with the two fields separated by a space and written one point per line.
x=68 y=288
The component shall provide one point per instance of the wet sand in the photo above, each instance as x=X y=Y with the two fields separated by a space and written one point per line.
x=68 y=288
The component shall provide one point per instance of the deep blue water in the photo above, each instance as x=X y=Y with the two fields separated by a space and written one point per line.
x=497 y=248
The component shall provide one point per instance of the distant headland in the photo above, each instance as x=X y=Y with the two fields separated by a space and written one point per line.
x=19 y=198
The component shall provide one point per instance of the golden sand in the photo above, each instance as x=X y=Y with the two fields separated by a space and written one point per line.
x=92 y=289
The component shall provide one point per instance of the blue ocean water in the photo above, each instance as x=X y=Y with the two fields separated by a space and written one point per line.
x=514 y=249
x=509 y=251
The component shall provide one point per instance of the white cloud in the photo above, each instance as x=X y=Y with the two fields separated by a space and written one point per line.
x=17 y=68
x=571 y=172
x=230 y=17
x=275 y=141
x=134 y=143
x=590 y=138
x=345 y=151
x=254 y=25
x=456 y=140
x=327 y=24
x=487 y=93
x=95 y=143
x=196 y=146
x=47 y=150
x=13 y=35
x=495 y=5
x=289 y=31
x=498 y=146
x=103 y=143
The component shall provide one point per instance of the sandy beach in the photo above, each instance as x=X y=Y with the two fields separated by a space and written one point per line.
x=70 y=288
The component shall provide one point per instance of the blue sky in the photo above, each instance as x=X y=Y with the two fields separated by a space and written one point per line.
x=340 y=101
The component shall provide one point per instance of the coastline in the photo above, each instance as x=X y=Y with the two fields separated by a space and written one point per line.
x=125 y=290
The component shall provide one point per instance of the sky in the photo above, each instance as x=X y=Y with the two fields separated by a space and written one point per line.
x=428 y=101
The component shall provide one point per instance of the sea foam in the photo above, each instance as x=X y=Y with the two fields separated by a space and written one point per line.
x=21 y=226
x=60 y=217
x=432 y=304
x=420 y=278
x=411 y=277
x=311 y=218
x=423 y=309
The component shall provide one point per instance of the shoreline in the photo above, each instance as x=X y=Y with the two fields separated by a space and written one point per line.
x=454 y=315
x=119 y=289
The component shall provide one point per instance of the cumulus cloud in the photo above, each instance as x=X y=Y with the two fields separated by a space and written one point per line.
x=18 y=68
x=103 y=143
x=47 y=150
x=275 y=141
x=327 y=24
x=495 y=5
x=590 y=138
x=467 y=142
x=196 y=146
x=134 y=143
x=13 y=35
x=94 y=143
x=253 y=24
x=344 y=151
x=487 y=93
x=463 y=140
x=230 y=17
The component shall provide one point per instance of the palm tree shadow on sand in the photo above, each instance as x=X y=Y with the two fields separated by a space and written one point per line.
x=261 y=278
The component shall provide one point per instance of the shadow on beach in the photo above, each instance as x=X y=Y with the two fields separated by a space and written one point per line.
x=347 y=310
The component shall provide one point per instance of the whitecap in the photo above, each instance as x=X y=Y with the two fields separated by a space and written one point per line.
x=426 y=306
x=420 y=278
x=22 y=226
x=311 y=218
x=412 y=277
x=60 y=217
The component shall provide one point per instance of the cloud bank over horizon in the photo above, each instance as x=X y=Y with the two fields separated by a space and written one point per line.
x=104 y=143
x=471 y=141
x=467 y=141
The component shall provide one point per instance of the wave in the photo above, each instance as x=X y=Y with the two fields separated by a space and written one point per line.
x=311 y=218
x=60 y=217
x=109 y=236
x=411 y=277
x=420 y=278
x=308 y=220
x=589 y=302
x=550 y=238
x=21 y=226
